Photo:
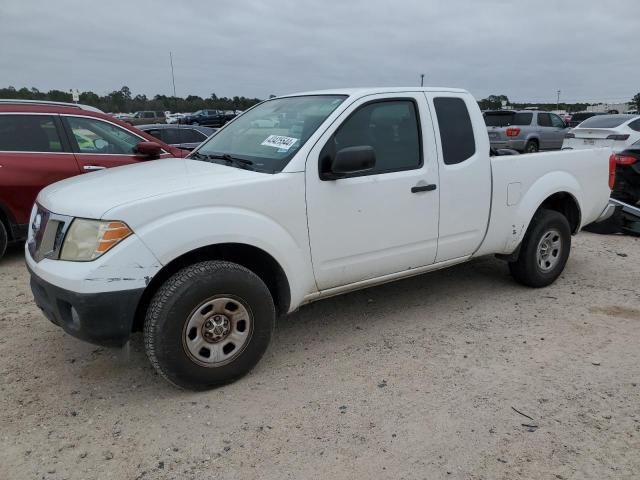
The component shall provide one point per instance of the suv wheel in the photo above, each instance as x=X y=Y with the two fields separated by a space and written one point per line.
x=209 y=324
x=544 y=251
x=531 y=146
x=4 y=239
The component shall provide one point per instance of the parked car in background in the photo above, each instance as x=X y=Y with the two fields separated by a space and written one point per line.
x=186 y=137
x=209 y=118
x=146 y=116
x=579 y=117
x=525 y=130
x=612 y=131
x=122 y=116
x=175 y=117
x=366 y=186
x=43 y=142
x=627 y=183
x=625 y=195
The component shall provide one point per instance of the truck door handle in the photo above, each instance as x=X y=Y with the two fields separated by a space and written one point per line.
x=423 y=188
x=91 y=168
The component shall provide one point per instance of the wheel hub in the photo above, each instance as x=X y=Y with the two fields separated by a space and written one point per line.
x=216 y=328
x=549 y=250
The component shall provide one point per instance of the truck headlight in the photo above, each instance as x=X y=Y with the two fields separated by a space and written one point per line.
x=86 y=239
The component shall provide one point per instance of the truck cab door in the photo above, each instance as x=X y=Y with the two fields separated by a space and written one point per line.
x=465 y=174
x=373 y=223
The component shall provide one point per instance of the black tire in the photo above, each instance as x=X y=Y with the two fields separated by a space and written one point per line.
x=531 y=147
x=177 y=301
x=526 y=269
x=611 y=225
x=4 y=239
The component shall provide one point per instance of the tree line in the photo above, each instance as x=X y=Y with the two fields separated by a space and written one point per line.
x=123 y=100
x=494 y=102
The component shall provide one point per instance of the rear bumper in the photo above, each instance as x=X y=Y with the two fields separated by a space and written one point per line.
x=100 y=318
x=512 y=144
x=606 y=213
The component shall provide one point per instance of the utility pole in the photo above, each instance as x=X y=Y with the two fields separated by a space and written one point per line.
x=558 y=101
x=422 y=79
x=173 y=81
x=173 y=78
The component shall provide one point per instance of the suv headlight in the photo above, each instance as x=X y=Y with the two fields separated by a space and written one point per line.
x=86 y=239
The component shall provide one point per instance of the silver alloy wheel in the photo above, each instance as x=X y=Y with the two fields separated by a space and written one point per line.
x=217 y=331
x=549 y=250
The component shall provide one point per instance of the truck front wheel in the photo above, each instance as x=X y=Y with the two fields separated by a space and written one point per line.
x=544 y=251
x=209 y=324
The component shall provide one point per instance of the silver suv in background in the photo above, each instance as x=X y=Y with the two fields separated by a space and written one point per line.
x=525 y=130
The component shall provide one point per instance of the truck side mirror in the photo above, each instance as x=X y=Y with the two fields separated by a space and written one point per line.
x=351 y=160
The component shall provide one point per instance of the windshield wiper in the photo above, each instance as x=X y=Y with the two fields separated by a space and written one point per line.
x=240 y=162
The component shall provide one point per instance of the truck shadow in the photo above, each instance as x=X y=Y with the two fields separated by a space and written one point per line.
x=14 y=252
x=351 y=319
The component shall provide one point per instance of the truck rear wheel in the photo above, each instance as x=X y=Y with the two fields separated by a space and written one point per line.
x=209 y=324
x=544 y=251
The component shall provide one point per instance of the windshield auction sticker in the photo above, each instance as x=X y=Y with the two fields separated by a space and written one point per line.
x=279 y=141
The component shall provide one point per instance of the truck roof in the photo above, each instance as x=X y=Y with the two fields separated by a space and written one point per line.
x=361 y=92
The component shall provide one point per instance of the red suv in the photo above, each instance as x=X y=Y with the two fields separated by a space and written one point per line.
x=43 y=142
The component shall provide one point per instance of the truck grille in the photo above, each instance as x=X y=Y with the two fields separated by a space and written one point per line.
x=46 y=233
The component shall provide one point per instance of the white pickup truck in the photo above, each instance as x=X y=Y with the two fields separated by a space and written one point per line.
x=299 y=198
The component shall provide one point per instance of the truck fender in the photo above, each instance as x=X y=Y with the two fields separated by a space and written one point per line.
x=546 y=186
x=182 y=232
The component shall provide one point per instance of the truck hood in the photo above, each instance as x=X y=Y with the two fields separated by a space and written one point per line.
x=93 y=194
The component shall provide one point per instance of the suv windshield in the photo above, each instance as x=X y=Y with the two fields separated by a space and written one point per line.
x=266 y=137
x=504 y=119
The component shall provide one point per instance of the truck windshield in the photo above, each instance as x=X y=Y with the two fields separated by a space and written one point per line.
x=266 y=137
x=504 y=119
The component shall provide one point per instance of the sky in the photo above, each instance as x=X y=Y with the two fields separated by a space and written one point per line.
x=525 y=49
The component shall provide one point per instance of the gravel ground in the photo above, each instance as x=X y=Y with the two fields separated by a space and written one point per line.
x=416 y=379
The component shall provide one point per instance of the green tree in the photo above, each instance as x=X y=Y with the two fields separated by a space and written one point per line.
x=493 y=102
x=124 y=100
x=635 y=101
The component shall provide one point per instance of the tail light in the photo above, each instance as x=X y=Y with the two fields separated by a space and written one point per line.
x=612 y=171
x=569 y=135
x=617 y=137
x=513 y=132
x=625 y=160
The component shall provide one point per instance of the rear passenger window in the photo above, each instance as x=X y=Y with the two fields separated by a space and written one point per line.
x=29 y=133
x=188 y=135
x=544 y=120
x=456 y=130
x=635 y=125
x=522 y=119
x=390 y=128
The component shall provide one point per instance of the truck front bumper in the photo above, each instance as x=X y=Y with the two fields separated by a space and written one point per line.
x=104 y=318
x=94 y=301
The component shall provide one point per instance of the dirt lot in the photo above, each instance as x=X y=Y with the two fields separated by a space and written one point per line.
x=415 y=379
